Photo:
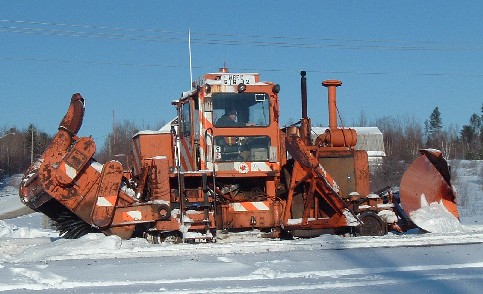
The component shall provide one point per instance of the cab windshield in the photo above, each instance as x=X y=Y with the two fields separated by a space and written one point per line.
x=241 y=110
x=251 y=148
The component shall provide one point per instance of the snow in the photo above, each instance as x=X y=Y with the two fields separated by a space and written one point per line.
x=435 y=218
x=34 y=258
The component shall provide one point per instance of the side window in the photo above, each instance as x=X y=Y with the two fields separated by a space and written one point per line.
x=186 y=120
x=259 y=111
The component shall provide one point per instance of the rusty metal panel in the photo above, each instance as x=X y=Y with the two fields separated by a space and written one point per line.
x=149 y=145
x=160 y=180
x=350 y=170
x=343 y=172
x=363 y=181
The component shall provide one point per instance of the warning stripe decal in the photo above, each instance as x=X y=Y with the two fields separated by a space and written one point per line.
x=106 y=201
x=69 y=171
x=186 y=156
x=250 y=206
x=133 y=215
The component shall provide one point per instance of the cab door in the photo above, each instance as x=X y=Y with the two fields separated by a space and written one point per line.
x=189 y=135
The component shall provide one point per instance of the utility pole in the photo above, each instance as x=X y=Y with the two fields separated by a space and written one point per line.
x=8 y=151
x=32 y=148
x=8 y=161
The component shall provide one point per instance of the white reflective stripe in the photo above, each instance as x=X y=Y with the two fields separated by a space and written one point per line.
x=237 y=207
x=260 y=205
x=260 y=166
x=70 y=171
x=102 y=201
x=97 y=166
x=137 y=162
x=135 y=215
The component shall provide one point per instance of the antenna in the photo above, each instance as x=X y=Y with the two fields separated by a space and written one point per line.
x=191 y=68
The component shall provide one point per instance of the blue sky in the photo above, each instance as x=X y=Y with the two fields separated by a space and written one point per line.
x=131 y=57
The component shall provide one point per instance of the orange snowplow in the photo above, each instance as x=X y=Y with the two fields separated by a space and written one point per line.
x=225 y=165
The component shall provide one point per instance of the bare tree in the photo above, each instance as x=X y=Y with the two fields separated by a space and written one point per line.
x=362 y=121
x=118 y=144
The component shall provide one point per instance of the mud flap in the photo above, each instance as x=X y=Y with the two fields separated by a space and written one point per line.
x=107 y=194
x=427 y=181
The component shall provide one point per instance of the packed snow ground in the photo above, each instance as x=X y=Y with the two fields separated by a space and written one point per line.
x=33 y=258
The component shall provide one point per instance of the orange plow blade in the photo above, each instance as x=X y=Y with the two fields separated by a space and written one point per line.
x=426 y=193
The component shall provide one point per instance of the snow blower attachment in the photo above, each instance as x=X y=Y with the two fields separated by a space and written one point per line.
x=225 y=165
x=427 y=194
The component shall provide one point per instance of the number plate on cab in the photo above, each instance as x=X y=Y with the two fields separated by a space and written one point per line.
x=235 y=79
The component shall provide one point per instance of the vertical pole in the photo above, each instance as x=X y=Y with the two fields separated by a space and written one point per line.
x=32 y=147
x=303 y=90
x=8 y=160
x=191 y=68
x=305 y=124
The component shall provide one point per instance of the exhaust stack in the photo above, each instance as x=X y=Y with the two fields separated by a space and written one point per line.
x=335 y=136
x=305 y=124
x=331 y=87
x=303 y=90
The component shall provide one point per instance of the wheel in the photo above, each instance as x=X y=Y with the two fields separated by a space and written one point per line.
x=372 y=225
x=157 y=237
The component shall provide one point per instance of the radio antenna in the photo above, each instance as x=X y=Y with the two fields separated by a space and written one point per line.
x=189 y=48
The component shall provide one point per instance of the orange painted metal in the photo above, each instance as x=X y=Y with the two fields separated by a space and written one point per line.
x=427 y=180
x=147 y=145
x=159 y=179
x=75 y=160
x=308 y=170
x=266 y=214
x=338 y=138
x=107 y=194
x=334 y=136
x=332 y=101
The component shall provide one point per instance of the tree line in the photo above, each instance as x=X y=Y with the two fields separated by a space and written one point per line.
x=403 y=137
x=18 y=148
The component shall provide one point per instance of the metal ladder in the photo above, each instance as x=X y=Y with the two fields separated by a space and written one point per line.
x=204 y=206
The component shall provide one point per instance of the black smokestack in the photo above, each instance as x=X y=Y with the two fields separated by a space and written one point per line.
x=303 y=89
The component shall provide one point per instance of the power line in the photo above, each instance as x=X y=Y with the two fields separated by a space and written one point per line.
x=166 y=36
x=208 y=68
x=156 y=35
x=32 y=59
x=298 y=38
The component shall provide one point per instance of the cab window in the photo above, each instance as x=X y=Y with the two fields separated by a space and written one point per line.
x=241 y=110
x=236 y=148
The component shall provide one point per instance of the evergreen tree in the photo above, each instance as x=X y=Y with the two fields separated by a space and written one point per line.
x=435 y=122
x=468 y=135
x=433 y=128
